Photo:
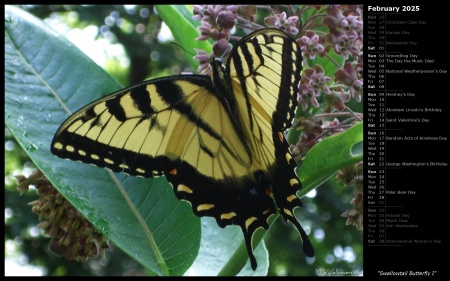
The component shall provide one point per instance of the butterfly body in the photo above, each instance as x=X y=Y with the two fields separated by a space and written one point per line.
x=219 y=141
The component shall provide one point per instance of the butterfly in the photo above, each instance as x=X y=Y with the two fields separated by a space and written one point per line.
x=218 y=140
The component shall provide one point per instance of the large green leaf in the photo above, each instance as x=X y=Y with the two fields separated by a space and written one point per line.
x=46 y=79
x=329 y=156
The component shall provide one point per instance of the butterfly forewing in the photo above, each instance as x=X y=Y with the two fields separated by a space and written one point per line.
x=145 y=129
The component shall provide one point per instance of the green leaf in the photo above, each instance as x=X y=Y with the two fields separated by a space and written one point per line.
x=184 y=29
x=46 y=79
x=329 y=156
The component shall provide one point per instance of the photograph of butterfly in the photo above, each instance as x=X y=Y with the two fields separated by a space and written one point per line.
x=220 y=137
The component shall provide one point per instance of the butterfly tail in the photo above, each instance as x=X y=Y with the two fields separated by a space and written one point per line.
x=286 y=204
x=308 y=248
x=248 y=243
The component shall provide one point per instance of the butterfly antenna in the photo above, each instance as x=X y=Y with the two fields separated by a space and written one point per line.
x=181 y=47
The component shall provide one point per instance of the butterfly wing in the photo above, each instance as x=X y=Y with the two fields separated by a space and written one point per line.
x=264 y=70
x=148 y=129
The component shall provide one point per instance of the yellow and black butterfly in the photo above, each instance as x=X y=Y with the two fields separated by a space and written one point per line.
x=219 y=140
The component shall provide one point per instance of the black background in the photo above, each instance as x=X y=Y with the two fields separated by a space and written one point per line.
x=428 y=208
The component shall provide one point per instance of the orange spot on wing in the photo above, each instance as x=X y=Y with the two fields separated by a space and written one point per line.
x=280 y=135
